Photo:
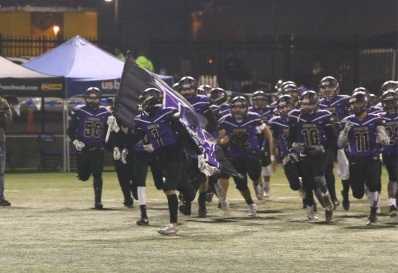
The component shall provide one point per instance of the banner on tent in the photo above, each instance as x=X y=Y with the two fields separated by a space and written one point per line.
x=32 y=87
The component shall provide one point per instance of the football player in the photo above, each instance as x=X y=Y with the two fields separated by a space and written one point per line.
x=239 y=135
x=117 y=143
x=164 y=135
x=261 y=105
x=187 y=87
x=220 y=107
x=373 y=106
x=204 y=90
x=290 y=88
x=310 y=133
x=280 y=130
x=219 y=102
x=389 y=100
x=389 y=85
x=87 y=128
x=364 y=135
x=338 y=105
x=5 y=121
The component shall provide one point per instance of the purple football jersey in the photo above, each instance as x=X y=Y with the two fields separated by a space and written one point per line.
x=157 y=127
x=280 y=131
x=310 y=129
x=391 y=125
x=362 y=136
x=243 y=135
x=91 y=125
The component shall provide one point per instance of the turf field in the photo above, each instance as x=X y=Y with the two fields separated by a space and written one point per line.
x=50 y=228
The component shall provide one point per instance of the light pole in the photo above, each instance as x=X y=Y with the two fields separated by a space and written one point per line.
x=115 y=35
x=115 y=10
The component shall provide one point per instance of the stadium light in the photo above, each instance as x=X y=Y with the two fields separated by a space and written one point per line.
x=56 y=30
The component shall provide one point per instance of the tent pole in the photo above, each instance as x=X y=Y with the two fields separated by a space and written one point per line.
x=64 y=136
x=66 y=156
x=42 y=110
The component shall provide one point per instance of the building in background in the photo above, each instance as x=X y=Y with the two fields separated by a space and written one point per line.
x=39 y=24
x=271 y=39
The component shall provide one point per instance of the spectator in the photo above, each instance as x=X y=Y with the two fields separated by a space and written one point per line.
x=143 y=62
x=5 y=119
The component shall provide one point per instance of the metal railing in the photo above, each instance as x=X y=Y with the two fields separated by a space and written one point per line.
x=21 y=46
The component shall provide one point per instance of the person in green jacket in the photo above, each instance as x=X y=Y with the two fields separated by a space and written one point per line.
x=143 y=62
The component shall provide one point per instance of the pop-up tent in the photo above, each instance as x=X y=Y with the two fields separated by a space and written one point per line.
x=16 y=80
x=83 y=65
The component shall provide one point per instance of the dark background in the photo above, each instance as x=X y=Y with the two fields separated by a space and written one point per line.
x=254 y=42
x=271 y=39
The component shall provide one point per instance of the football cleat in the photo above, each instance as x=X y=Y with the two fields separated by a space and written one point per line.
x=393 y=211
x=4 y=203
x=311 y=216
x=142 y=222
x=170 y=229
x=98 y=206
x=252 y=210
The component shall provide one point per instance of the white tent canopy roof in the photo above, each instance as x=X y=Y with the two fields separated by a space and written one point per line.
x=9 y=69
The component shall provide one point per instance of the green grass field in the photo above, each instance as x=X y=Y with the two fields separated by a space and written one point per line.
x=51 y=228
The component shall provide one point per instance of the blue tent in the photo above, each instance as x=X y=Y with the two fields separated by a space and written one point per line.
x=82 y=64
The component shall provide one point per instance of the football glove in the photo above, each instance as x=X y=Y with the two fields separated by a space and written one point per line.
x=148 y=148
x=79 y=146
x=116 y=153
x=112 y=124
x=124 y=155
